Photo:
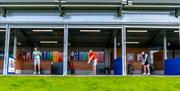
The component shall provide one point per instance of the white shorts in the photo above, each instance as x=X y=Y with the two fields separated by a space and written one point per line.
x=95 y=62
x=37 y=61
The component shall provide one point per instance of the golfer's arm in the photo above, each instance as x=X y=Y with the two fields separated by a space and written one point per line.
x=146 y=58
x=90 y=59
x=40 y=54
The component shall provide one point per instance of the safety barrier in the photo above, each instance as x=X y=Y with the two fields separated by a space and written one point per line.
x=172 y=66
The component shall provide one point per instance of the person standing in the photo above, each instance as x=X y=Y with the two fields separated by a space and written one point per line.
x=71 y=67
x=145 y=63
x=72 y=55
x=37 y=59
x=93 y=58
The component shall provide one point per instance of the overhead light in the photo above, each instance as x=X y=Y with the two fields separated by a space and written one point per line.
x=137 y=31
x=132 y=42
x=2 y=30
x=118 y=44
x=90 y=30
x=69 y=44
x=49 y=42
x=176 y=31
x=18 y=44
x=42 y=30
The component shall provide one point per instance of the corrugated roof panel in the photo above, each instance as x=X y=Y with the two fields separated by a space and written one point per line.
x=70 y=1
x=97 y=1
x=157 y=1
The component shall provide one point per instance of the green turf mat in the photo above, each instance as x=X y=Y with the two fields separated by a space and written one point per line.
x=76 y=83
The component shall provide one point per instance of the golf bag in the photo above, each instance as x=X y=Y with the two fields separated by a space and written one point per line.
x=130 y=69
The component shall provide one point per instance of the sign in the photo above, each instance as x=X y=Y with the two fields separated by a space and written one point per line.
x=130 y=57
x=11 y=66
x=139 y=57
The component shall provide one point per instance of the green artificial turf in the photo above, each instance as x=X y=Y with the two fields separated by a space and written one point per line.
x=94 y=83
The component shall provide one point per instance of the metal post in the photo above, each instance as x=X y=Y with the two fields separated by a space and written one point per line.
x=65 y=56
x=123 y=50
x=179 y=35
x=106 y=57
x=6 y=50
x=15 y=46
x=115 y=45
x=165 y=46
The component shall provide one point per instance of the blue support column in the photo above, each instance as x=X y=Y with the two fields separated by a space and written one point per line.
x=6 y=50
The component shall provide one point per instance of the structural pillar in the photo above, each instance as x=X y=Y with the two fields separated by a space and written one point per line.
x=65 y=54
x=179 y=35
x=14 y=45
x=115 y=45
x=6 y=50
x=123 y=50
x=165 y=46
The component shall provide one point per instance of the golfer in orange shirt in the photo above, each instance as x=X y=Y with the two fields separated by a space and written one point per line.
x=93 y=58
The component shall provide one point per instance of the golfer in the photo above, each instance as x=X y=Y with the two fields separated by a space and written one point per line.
x=93 y=58
x=145 y=63
x=37 y=59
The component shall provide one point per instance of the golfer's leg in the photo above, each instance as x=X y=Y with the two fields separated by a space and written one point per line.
x=145 y=69
x=39 y=67
x=95 y=70
x=148 y=68
x=34 y=68
x=94 y=66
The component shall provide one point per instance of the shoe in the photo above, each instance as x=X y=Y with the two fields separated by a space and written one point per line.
x=148 y=74
x=144 y=73
x=39 y=73
x=34 y=73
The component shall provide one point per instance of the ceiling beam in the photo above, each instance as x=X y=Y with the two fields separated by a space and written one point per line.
x=95 y=1
x=68 y=1
x=3 y=11
x=84 y=6
x=156 y=1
